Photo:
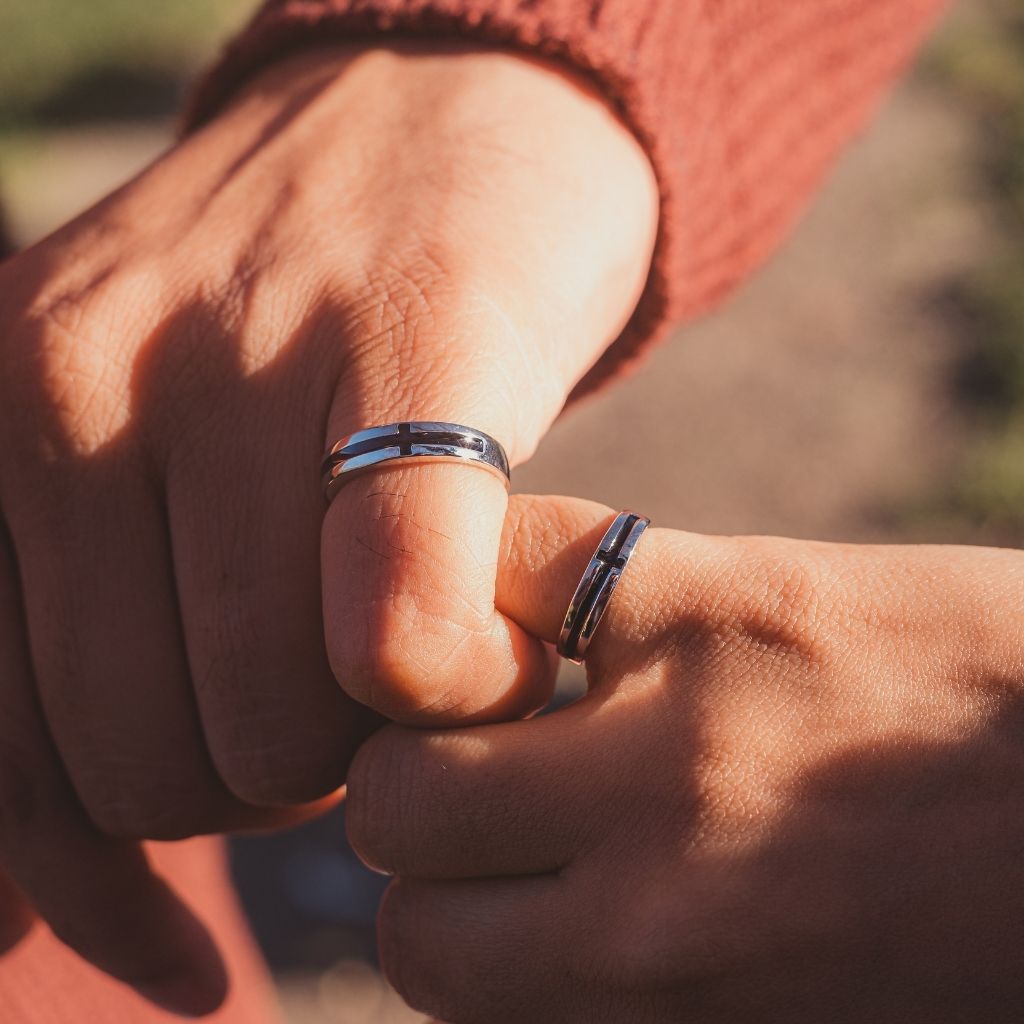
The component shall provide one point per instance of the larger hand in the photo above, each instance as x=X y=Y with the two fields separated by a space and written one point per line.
x=361 y=238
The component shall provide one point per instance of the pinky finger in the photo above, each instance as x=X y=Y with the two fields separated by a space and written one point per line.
x=98 y=895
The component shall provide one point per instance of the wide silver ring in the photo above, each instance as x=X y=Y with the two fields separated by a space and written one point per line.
x=417 y=441
x=599 y=581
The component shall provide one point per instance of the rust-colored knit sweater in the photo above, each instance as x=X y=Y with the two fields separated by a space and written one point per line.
x=741 y=104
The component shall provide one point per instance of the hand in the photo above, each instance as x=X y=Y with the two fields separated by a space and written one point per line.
x=794 y=792
x=362 y=237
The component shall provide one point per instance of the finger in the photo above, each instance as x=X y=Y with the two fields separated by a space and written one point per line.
x=478 y=951
x=546 y=545
x=521 y=798
x=409 y=565
x=491 y=800
x=98 y=895
x=108 y=653
x=245 y=509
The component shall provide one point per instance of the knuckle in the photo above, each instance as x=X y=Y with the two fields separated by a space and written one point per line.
x=413 y=308
x=68 y=384
x=380 y=813
x=989 y=614
x=427 y=964
x=124 y=805
x=122 y=816
x=786 y=606
x=416 y=969
x=536 y=530
x=273 y=743
x=400 y=297
x=790 y=604
x=266 y=762
x=395 y=937
x=657 y=940
x=118 y=802
x=390 y=311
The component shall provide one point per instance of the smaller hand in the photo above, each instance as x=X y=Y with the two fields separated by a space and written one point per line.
x=794 y=792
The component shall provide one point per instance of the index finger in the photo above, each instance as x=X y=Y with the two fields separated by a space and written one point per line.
x=479 y=802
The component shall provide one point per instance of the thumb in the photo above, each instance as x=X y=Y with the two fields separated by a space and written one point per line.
x=409 y=560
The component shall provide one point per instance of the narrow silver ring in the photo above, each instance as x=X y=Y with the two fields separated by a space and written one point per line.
x=600 y=578
x=416 y=441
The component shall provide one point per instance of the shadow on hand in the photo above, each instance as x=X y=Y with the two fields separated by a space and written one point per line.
x=892 y=890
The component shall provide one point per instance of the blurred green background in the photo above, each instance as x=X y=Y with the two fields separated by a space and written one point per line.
x=982 y=68
x=64 y=61
x=867 y=385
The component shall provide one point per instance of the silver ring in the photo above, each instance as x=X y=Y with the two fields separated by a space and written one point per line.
x=600 y=579
x=418 y=441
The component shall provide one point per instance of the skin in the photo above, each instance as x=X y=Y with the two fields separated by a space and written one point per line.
x=188 y=643
x=796 y=781
x=792 y=793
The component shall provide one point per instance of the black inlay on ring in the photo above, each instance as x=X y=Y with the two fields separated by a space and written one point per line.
x=612 y=562
x=406 y=436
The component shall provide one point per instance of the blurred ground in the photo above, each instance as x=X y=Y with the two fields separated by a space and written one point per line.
x=819 y=402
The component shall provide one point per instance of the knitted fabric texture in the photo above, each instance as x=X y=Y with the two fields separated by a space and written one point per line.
x=741 y=105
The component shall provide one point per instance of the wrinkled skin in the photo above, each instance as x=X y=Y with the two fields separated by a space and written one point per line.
x=361 y=237
x=794 y=792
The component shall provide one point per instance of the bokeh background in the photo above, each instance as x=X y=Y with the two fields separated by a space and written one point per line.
x=867 y=385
